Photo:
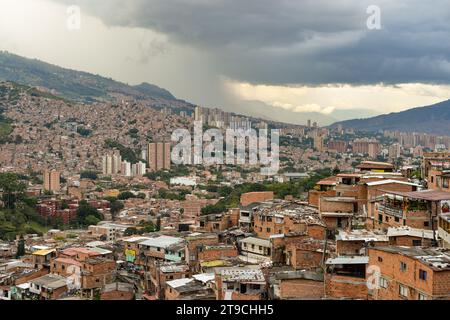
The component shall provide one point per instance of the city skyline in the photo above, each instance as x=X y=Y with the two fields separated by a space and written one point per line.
x=316 y=83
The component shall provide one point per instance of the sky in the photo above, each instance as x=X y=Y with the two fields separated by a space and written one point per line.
x=286 y=60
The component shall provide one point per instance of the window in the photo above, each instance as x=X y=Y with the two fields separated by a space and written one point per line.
x=397 y=219
x=383 y=283
x=386 y=218
x=422 y=296
x=268 y=229
x=422 y=274
x=380 y=259
x=403 y=266
x=403 y=291
x=445 y=183
x=426 y=223
x=417 y=243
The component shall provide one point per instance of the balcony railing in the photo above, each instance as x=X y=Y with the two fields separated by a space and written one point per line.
x=390 y=211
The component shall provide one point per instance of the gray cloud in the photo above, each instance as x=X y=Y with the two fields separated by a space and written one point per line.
x=299 y=42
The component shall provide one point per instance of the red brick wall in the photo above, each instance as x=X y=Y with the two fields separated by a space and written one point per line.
x=250 y=197
x=316 y=231
x=302 y=258
x=345 y=287
x=334 y=206
x=216 y=254
x=437 y=283
x=117 y=295
x=301 y=289
x=314 y=195
x=264 y=229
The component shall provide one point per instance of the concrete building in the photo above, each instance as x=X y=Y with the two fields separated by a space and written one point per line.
x=159 y=156
x=52 y=180
x=411 y=273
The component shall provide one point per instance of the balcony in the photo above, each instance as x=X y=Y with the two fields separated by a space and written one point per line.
x=390 y=211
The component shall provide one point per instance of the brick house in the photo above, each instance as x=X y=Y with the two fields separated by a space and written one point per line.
x=240 y=283
x=345 y=277
x=356 y=242
x=411 y=273
x=296 y=285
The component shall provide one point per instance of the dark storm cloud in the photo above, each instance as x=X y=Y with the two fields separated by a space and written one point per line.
x=294 y=42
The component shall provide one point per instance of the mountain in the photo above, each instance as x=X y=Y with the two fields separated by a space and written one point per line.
x=154 y=91
x=434 y=119
x=74 y=85
x=348 y=114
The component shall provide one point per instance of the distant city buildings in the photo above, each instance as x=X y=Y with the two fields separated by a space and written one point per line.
x=111 y=164
x=159 y=156
x=51 y=180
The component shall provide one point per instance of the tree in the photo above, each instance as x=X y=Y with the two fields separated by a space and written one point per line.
x=89 y=175
x=13 y=189
x=125 y=195
x=115 y=207
x=20 y=248
x=158 y=223
x=336 y=170
x=91 y=220
x=85 y=210
x=131 y=231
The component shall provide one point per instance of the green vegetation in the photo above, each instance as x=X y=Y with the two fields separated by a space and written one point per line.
x=143 y=227
x=20 y=248
x=87 y=215
x=71 y=84
x=231 y=197
x=84 y=132
x=127 y=153
x=180 y=195
x=175 y=171
x=5 y=129
x=133 y=133
x=89 y=175
x=18 y=216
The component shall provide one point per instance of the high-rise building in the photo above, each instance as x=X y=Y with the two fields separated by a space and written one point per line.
x=198 y=114
x=111 y=164
x=126 y=169
x=366 y=146
x=52 y=180
x=394 y=151
x=318 y=143
x=138 y=169
x=159 y=156
x=339 y=146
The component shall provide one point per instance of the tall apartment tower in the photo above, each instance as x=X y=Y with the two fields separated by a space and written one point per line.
x=198 y=114
x=111 y=164
x=126 y=169
x=158 y=156
x=318 y=143
x=52 y=180
x=138 y=169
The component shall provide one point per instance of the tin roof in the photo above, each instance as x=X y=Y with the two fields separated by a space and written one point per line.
x=43 y=252
x=429 y=195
